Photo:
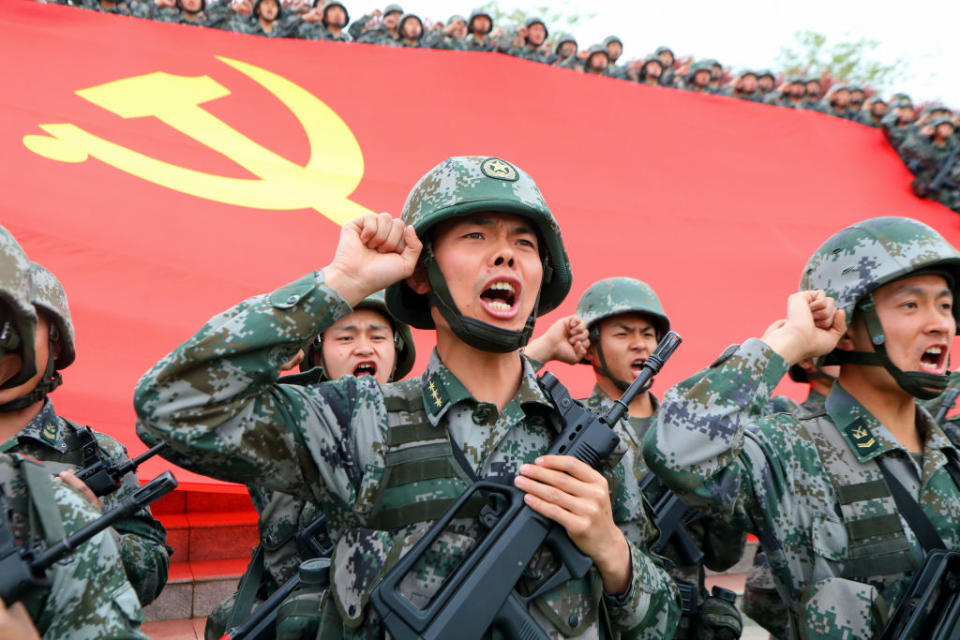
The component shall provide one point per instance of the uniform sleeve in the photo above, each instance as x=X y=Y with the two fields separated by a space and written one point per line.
x=649 y=608
x=217 y=402
x=702 y=448
x=89 y=596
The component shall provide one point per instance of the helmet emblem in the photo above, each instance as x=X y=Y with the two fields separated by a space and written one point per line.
x=499 y=170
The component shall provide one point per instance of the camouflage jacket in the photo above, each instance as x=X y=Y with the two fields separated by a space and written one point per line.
x=721 y=544
x=777 y=475
x=470 y=43
x=282 y=28
x=527 y=53
x=141 y=538
x=317 y=31
x=89 y=595
x=217 y=402
x=868 y=119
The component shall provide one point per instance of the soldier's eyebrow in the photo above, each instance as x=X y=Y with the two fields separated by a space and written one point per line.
x=919 y=291
x=374 y=326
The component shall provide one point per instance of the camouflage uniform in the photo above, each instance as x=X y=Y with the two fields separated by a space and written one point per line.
x=332 y=442
x=471 y=43
x=668 y=77
x=378 y=34
x=529 y=51
x=319 y=30
x=810 y=488
x=52 y=439
x=89 y=595
x=722 y=545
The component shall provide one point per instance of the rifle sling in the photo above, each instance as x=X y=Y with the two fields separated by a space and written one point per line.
x=40 y=482
x=912 y=512
x=247 y=590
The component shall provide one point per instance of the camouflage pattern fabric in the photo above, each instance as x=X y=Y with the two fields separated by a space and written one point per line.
x=141 y=538
x=217 y=401
x=770 y=475
x=722 y=545
x=317 y=31
x=527 y=52
x=89 y=595
x=471 y=43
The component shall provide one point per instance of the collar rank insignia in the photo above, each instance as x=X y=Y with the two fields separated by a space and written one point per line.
x=436 y=395
x=862 y=438
x=49 y=433
x=499 y=170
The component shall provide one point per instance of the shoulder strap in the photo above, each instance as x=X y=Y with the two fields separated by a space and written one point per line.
x=911 y=511
x=247 y=589
x=39 y=482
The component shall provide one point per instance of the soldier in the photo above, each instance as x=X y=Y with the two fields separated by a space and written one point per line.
x=765 y=83
x=333 y=19
x=925 y=154
x=565 y=52
x=792 y=93
x=614 y=47
x=366 y=342
x=479 y=26
x=529 y=40
x=873 y=115
x=29 y=425
x=651 y=72
x=899 y=123
x=266 y=19
x=493 y=260
x=857 y=96
x=367 y=29
x=811 y=100
x=410 y=29
x=452 y=36
x=667 y=58
x=818 y=491
x=89 y=594
x=837 y=101
x=624 y=322
x=716 y=84
x=745 y=87
x=698 y=79
x=597 y=62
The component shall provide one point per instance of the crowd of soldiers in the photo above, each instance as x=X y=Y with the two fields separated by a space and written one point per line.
x=926 y=141
x=350 y=462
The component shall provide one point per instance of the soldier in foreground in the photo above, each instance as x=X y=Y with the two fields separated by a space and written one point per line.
x=492 y=261
x=29 y=425
x=366 y=342
x=624 y=321
x=818 y=491
x=89 y=595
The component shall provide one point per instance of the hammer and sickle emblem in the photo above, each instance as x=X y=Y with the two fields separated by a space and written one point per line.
x=330 y=175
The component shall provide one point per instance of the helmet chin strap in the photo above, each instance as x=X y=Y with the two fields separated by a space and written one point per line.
x=479 y=335
x=604 y=370
x=51 y=380
x=925 y=386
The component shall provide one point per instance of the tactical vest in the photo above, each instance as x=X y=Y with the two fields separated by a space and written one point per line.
x=421 y=479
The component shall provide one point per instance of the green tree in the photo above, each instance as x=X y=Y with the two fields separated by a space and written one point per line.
x=846 y=61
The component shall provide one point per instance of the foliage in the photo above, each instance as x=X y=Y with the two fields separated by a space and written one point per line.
x=557 y=16
x=847 y=61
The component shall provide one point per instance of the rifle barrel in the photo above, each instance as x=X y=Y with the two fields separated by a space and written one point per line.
x=651 y=367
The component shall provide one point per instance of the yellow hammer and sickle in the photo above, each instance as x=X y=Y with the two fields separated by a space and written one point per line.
x=332 y=173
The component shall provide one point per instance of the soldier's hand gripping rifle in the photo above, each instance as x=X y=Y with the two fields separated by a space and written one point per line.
x=930 y=609
x=22 y=569
x=102 y=474
x=480 y=593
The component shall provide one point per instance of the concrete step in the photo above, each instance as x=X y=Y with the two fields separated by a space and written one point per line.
x=195 y=588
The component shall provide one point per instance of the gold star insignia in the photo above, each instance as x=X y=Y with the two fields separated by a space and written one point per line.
x=436 y=394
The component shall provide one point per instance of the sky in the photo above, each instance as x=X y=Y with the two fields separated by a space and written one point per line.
x=750 y=33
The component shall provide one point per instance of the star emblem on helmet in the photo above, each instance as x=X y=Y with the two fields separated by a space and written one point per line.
x=499 y=169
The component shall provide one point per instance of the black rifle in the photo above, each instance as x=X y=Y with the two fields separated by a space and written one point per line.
x=940 y=180
x=480 y=592
x=947 y=401
x=101 y=474
x=930 y=609
x=313 y=541
x=671 y=515
x=23 y=569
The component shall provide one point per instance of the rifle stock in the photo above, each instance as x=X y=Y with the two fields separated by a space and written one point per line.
x=930 y=609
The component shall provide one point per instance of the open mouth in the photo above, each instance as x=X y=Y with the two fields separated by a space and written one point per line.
x=637 y=366
x=366 y=368
x=499 y=298
x=934 y=360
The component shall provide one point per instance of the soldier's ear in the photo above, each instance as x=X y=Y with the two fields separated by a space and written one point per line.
x=419 y=281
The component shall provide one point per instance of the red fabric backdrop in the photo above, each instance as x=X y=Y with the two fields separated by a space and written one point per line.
x=716 y=203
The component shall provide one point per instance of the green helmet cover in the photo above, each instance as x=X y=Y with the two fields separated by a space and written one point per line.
x=562 y=38
x=475 y=14
x=392 y=8
x=459 y=187
x=18 y=320
x=854 y=262
x=406 y=350
x=615 y=296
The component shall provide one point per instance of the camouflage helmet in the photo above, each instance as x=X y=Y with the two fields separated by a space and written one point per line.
x=392 y=8
x=854 y=262
x=900 y=96
x=331 y=4
x=609 y=40
x=18 y=318
x=665 y=49
x=936 y=122
x=561 y=39
x=613 y=296
x=50 y=298
x=454 y=18
x=256 y=8
x=532 y=20
x=934 y=107
x=475 y=14
x=597 y=48
x=458 y=187
x=651 y=59
x=813 y=77
x=406 y=350
x=766 y=73
x=696 y=68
